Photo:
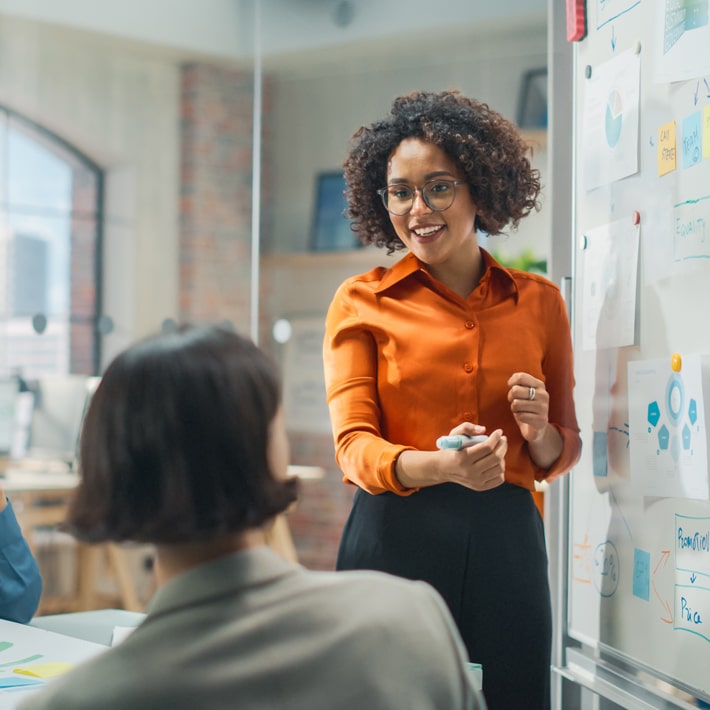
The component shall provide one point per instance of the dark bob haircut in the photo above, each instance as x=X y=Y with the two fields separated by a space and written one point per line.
x=174 y=443
x=487 y=147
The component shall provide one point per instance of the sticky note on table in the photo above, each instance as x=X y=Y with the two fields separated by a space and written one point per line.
x=45 y=670
x=15 y=682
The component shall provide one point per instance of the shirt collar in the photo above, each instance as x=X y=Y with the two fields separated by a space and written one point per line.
x=406 y=266
x=498 y=277
x=495 y=274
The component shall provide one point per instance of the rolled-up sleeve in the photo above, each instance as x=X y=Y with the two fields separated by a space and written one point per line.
x=558 y=367
x=350 y=369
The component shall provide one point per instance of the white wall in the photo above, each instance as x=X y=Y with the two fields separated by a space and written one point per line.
x=121 y=108
x=209 y=27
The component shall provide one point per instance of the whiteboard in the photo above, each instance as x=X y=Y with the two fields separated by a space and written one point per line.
x=639 y=547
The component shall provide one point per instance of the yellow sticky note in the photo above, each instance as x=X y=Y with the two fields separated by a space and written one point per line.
x=706 y=132
x=45 y=670
x=666 y=148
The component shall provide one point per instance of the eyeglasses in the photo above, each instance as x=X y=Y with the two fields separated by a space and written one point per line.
x=438 y=195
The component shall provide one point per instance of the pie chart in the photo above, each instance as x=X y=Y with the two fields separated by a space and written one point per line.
x=612 y=123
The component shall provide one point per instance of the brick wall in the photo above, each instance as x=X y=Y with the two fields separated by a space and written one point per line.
x=215 y=194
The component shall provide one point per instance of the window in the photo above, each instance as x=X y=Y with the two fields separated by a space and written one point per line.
x=50 y=252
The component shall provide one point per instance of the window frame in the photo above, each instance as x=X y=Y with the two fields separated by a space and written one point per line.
x=52 y=139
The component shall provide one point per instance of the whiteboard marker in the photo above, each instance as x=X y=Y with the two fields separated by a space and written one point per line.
x=459 y=441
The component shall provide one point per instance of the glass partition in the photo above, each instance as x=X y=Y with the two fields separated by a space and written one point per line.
x=126 y=183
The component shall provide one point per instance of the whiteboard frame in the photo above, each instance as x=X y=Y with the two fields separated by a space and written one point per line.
x=582 y=667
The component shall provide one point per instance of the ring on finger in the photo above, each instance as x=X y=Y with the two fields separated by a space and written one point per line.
x=531 y=394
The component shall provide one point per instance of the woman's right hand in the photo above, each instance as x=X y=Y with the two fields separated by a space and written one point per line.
x=479 y=467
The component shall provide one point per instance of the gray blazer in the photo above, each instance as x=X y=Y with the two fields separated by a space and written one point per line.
x=254 y=631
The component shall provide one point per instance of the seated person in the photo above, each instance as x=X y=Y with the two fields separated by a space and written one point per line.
x=20 y=580
x=184 y=446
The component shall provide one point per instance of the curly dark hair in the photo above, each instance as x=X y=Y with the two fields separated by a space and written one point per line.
x=486 y=146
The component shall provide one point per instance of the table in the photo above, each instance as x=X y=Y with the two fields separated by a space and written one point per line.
x=27 y=647
x=97 y=625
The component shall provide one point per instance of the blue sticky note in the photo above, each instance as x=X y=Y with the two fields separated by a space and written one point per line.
x=16 y=681
x=642 y=574
x=692 y=140
x=599 y=458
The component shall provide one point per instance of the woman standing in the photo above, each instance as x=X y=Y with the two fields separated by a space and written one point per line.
x=448 y=341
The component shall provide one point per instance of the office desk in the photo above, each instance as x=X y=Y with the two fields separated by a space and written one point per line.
x=97 y=626
x=28 y=647
x=25 y=488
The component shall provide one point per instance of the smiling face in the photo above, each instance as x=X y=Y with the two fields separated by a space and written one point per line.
x=444 y=240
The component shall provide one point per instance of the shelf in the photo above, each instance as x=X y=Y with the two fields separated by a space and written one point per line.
x=536 y=139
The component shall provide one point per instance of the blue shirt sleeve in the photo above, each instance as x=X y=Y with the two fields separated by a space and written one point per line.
x=20 y=580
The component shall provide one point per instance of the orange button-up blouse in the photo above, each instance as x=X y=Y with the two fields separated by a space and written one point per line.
x=406 y=360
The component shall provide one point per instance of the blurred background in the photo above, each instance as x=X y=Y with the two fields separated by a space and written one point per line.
x=180 y=160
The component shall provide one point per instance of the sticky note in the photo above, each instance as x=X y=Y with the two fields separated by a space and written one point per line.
x=642 y=574
x=691 y=142
x=45 y=670
x=15 y=682
x=19 y=661
x=599 y=453
x=706 y=132
x=666 y=148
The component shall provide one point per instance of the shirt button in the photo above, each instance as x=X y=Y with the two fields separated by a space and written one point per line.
x=467 y=416
x=468 y=367
x=470 y=324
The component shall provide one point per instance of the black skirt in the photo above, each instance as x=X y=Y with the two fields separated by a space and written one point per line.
x=485 y=554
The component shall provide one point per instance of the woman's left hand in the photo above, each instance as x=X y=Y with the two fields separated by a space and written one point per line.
x=530 y=405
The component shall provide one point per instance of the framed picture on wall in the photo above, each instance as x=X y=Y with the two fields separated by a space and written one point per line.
x=532 y=102
x=331 y=229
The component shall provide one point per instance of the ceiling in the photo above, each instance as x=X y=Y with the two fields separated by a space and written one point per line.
x=291 y=35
